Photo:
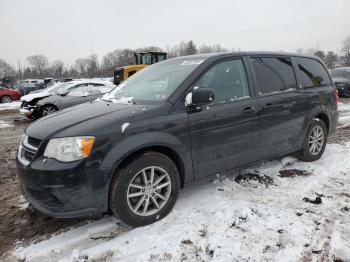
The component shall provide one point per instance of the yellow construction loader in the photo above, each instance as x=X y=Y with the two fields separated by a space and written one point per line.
x=142 y=59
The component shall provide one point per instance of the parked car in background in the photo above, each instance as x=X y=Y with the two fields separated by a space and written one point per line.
x=173 y=123
x=63 y=95
x=26 y=88
x=341 y=78
x=8 y=95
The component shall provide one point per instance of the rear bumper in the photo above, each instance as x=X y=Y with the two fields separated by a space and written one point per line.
x=64 y=190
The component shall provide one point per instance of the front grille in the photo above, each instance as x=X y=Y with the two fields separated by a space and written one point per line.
x=28 y=149
x=34 y=142
x=29 y=155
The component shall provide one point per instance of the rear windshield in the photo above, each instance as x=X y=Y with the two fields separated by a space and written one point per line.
x=311 y=73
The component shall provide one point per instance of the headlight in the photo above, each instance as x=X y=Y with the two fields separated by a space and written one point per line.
x=69 y=149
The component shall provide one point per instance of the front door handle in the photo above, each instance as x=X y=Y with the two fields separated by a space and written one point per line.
x=268 y=105
x=249 y=110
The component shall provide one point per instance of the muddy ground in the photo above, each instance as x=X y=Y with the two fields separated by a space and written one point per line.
x=17 y=222
x=22 y=224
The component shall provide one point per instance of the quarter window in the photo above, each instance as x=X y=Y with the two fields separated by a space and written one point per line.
x=228 y=81
x=273 y=74
x=311 y=73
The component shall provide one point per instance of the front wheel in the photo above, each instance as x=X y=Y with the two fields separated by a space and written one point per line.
x=314 y=142
x=48 y=109
x=145 y=189
x=6 y=99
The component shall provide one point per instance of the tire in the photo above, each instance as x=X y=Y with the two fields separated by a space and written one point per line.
x=47 y=109
x=123 y=205
x=307 y=152
x=6 y=99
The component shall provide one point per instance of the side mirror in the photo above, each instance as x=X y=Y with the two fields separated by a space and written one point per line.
x=200 y=97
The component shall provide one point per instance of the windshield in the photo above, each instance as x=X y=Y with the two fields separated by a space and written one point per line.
x=154 y=83
x=56 y=88
x=341 y=72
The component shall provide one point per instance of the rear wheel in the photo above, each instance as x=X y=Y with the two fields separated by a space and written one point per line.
x=145 y=189
x=48 y=109
x=6 y=99
x=314 y=142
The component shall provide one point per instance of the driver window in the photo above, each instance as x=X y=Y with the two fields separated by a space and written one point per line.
x=227 y=79
x=80 y=90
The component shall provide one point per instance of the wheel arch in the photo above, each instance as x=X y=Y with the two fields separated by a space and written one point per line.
x=162 y=149
x=325 y=118
x=125 y=150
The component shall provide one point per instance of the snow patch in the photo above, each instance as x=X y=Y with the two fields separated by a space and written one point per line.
x=124 y=126
x=4 y=124
x=9 y=106
x=227 y=221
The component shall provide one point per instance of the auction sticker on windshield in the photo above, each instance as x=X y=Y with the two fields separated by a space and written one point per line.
x=191 y=62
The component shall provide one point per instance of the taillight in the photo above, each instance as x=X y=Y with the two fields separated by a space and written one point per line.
x=337 y=95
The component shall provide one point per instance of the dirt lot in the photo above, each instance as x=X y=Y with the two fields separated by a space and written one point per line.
x=20 y=224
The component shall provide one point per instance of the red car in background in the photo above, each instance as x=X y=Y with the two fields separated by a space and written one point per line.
x=8 y=95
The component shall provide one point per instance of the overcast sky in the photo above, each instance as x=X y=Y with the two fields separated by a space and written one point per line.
x=66 y=30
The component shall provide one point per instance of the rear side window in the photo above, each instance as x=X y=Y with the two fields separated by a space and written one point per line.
x=273 y=74
x=311 y=73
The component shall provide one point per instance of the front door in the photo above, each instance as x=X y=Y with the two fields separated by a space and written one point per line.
x=224 y=134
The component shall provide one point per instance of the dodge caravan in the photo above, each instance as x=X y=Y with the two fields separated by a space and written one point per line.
x=173 y=123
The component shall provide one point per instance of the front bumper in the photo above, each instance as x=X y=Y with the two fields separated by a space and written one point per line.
x=64 y=190
x=29 y=111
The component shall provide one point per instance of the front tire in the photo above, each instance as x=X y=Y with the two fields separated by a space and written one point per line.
x=314 y=142
x=6 y=99
x=48 y=109
x=145 y=189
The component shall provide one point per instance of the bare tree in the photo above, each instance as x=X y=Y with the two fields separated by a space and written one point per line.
x=39 y=63
x=191 y=48
x=330 y=59
x=149 y=48
x=6 y=69
x=81 y=65
x=92 y=65
x=177 y=50
x=57 y=68
x=320 y=54
x=212 y=49
x=346 y=51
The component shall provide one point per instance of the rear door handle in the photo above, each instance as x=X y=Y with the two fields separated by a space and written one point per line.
x=249 y=110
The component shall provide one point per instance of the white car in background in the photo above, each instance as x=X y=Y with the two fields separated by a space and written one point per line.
x=62 y=95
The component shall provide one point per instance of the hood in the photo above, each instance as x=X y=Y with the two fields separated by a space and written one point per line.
x=341 y=80
x=85 y=119
x=31 y=96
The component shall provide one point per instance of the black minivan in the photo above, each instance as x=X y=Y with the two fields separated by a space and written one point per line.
x=175 y=122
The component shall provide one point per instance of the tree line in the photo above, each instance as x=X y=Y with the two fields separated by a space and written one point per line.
x=39 y=66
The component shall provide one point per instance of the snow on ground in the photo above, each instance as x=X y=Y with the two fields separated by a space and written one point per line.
x=343 y=106
x=9 y=106
x=4 y=124
x=344 y=115
x=266 y=215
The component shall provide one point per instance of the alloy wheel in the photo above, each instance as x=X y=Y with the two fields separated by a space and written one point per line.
x=6 y=99
x=316 y=140
x=149 y=190
x=48 y=110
